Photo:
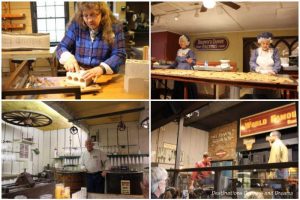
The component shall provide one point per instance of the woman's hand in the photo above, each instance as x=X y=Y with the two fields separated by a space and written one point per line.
x=71 y=65
x=92 y=73
x=189 y=60
x=272 y=73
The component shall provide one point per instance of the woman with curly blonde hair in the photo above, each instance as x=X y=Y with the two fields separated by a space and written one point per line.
x=94 y=41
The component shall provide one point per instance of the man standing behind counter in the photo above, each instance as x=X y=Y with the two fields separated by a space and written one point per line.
x=96 y=164
x=279 y=153
x=94 y=40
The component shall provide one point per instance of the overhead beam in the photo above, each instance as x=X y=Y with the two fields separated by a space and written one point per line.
x=180 y=109
x=210 y=109
x=63 y=110
x=108 y=114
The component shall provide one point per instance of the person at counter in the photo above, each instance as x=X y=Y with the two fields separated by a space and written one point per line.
x=159 y=177
x=185 y=59
x=96 y=164
x=265 y=60
x=203 y=177
x=94 y=40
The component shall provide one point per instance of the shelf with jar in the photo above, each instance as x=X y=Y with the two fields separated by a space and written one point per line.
x=16 y=150
x=131 y=160
x=69 y=158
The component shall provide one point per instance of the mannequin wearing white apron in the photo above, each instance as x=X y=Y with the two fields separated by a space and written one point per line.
x=265 y=64
x=264 y=61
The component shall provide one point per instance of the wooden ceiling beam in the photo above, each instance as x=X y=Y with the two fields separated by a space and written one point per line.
x=107 y=114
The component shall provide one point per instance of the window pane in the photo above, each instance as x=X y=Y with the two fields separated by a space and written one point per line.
x=41 y=12
x=60 y=3
x=50 y=3
x=60 y=11
x=50 y=11
x=52 y=36
x=40 y=3
x=50 y=24
x=60 y=35
x=41 y=24
x=60 y=24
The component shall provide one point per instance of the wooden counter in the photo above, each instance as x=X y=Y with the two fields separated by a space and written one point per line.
x=74 y=180
x=113 y=196
x=192 y=77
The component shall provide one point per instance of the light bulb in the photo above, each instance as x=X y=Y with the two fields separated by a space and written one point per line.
x=209 y=3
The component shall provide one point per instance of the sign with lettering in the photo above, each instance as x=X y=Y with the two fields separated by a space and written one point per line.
x=125 y=186
x=222 y=142
x=270 y=120
x=211 y=44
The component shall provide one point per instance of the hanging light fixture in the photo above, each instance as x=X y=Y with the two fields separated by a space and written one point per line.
x=121 y=125
x=145 y=123
x=209 y=3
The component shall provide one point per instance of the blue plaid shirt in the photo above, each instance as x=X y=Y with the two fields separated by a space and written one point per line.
x=90 y=53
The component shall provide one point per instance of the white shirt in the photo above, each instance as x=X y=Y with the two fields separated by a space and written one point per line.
x=94 y=161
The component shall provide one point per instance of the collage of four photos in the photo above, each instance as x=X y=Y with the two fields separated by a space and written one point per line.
x=149 y=99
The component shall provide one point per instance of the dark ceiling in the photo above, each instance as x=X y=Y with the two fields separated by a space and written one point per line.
x=211 y=113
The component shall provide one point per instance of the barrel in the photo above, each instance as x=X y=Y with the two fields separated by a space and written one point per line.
x=74 y=180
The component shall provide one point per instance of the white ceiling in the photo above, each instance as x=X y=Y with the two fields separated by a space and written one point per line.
x=251 y=16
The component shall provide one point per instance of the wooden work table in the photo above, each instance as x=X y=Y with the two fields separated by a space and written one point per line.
x=112 y=89
x=235 y=84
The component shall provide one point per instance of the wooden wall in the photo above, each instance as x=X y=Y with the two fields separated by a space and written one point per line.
x=107 y=136
x=45 y=141
x=223 y=139
x=194 y=143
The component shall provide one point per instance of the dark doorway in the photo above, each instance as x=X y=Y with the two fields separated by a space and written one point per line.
x=285 y=45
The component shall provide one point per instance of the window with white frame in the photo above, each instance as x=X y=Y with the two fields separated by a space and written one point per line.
x=50 y=17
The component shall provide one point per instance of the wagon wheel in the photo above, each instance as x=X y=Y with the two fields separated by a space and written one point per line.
x=26 y=118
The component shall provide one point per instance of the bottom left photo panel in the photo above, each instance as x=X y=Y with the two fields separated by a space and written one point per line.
x=75 y=149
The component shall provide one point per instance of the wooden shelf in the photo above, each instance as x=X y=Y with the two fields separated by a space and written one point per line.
x=12 y=26
x=13 y=16
x=24 y=141
x=129 y=155
x=67 y=157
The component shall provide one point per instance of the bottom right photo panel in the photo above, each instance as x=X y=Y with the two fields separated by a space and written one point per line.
x=224 y=149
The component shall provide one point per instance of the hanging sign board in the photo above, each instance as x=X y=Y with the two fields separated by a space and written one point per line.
x=222 y=142
x=211 y=44
x=270 y=120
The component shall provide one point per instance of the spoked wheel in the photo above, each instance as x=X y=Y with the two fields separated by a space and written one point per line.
x=26 y=118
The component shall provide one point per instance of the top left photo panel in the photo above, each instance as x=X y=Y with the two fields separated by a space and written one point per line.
x=75 y=50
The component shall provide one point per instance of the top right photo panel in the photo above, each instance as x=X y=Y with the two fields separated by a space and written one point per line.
x=224 y=50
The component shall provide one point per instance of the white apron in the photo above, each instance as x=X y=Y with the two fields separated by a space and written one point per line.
x=265 y=61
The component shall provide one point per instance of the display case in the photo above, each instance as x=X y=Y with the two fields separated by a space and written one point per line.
x=273 y=180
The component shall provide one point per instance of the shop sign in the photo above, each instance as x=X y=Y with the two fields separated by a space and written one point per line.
x=125 y=186
x=211 y=44
x=222 y=142
x=274 y=119
x=221 y=154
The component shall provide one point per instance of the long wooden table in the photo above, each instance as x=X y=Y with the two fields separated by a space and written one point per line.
x=235 y=84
